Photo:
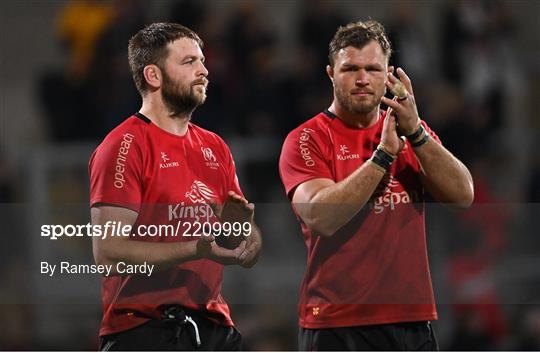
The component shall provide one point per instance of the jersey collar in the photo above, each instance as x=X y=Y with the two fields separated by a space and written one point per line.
x=143 y=117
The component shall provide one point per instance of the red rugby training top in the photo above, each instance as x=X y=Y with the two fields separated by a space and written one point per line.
x=166 y=179
x=374 y=270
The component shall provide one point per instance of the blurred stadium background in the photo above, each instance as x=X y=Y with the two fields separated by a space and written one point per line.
x=65 y=83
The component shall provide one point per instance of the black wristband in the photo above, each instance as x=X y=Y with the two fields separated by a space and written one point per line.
x=382 y=154
x=422 y=141
x=415 y=135
x=382 y=159
x=384 y=165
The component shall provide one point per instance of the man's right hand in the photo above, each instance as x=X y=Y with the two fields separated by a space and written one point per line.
x=390 y=139
x=208 y=249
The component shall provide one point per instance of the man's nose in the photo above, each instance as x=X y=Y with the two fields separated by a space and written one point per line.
x=361 y=78
x=202 y=70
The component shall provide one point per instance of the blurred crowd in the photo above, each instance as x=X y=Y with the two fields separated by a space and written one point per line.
x=471 y=85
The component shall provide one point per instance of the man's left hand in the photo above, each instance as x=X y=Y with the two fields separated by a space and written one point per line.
x=237 y=209
x=405 y=109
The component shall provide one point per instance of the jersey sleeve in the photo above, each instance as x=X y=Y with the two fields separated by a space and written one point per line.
x=233 y=184
x=302 y=159
x=116 y=171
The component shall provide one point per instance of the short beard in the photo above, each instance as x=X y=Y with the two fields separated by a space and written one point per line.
x=180 y=100
x=345 y=100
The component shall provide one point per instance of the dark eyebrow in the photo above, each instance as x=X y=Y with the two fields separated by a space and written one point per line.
x=349 y=66
x=193 y=57
x=374 y=66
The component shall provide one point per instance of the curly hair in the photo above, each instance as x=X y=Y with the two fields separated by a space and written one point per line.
x=358 y=34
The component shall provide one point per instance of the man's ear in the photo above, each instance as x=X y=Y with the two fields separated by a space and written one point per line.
x=152 y=75
x=330 y=73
